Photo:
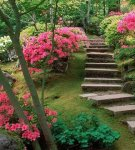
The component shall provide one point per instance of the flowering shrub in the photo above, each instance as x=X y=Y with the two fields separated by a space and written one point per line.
x=127 y=23
x=66 y=41
x=10 y=122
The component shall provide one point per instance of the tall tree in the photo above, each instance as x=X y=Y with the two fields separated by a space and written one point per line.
x=14 y=33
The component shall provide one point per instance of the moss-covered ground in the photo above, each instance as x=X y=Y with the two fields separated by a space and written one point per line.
x=62 y=94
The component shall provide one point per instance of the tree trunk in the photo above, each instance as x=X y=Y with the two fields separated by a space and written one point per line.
x=88 y=11
x=38 y=107
x=51 y=11
x=104 y=6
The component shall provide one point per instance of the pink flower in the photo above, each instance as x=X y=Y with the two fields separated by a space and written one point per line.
x=26 y=96
x=127 y=23
x=24 y=127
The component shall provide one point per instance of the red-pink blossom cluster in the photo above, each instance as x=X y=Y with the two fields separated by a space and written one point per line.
x=28 y=133
x=127 y=23
x=34 y=70
x=7 y=120
x=114 y=13
x=6 y=109
x=38 y=49
x=51 y=116
x=128 y=46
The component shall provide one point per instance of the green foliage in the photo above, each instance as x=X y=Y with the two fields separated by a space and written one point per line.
x=85 y=131
x=107 y=21
x=130 y=40
x=132 y=2
x=94 y=24
x=124 y=54
x=73 y=10
x=112 y=37
x=32 y=31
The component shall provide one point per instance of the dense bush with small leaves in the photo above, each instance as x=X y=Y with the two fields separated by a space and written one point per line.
x=35 y=30
x=112 y=37
x=84 y=133
x=107 y=21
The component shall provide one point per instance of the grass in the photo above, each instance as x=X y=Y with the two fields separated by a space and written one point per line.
x=62 y=94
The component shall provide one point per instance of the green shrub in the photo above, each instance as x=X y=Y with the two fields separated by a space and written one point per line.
x=94 y=24
x=112 y=37
x=129 y=40
x=123 y=54
x=31 y=30
x=104 y=24
x=85 y=132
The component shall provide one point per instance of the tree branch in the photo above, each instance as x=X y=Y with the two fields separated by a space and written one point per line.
x=5 y=19
x=32 y=8
x=17 y=16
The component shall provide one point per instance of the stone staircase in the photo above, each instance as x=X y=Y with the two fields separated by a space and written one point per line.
x=102 y=83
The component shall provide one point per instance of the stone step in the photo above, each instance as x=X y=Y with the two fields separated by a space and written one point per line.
x=98 y=46
x=101 y=65
x=122 y=109
x=100 y=55
x=99 y=49
x=86 y=95
x=96 y=40
x=131 y=126
x=90 y=87
x=100 y=60
x=112 y=98
x=103 y=80
x=101 y=72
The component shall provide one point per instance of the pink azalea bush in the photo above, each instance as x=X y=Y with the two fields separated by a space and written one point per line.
x=66 y=41
x=127 y=23
x=11 y=123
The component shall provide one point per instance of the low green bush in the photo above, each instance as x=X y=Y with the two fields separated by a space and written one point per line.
x=112 y=37
x=32 y=31
x=84 y=133
x=129 y=40
x=123 y=54
x=94 y=24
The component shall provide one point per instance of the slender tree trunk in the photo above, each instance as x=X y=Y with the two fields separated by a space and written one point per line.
x=51 y=11
x=54 y=24
x=104 y=6
x=88 y=11
x=16 y=105
x=14 y=35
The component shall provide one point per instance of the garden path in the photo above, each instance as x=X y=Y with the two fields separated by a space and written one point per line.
x=103 y=83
